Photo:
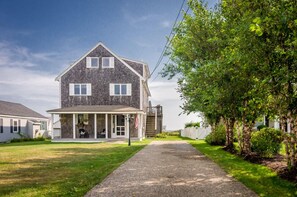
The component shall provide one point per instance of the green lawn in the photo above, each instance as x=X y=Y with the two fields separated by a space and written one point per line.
x=59 y=169
x=256 y=177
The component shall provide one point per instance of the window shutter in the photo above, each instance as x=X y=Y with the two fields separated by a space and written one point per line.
x=19 y=126
x=111 y=89
x=111 y=62
x=1 y=125
x=88 y=62
x=129 y=89
x=71 y=89
x=89 y=89
x=11 y=126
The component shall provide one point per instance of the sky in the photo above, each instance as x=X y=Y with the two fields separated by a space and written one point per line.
x=41 y=38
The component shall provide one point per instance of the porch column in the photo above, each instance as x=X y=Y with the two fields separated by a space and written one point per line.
x=95 y=126
x=138 y=125
x=52 y=125
x=106 y=126
x=127 y=125
x=141 y=126
x=73 y=125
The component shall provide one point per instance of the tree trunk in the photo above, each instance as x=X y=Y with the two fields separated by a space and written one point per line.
x=239 y=136
x=229 y=125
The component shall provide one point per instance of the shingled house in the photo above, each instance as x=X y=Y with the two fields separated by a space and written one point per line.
x=103 y=95
x=17 y=120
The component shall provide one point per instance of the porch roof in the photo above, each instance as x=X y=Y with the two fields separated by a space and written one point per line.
x=97 y=109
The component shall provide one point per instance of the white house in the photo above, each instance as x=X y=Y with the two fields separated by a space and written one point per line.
x=17 y=120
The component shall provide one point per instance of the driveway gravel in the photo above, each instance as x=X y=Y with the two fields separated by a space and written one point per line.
x=169 y=168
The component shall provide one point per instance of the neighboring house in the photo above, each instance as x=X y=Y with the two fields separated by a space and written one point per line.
x=103 y=95
x=17 y=120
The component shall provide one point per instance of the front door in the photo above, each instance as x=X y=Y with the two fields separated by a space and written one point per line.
x=119 y=123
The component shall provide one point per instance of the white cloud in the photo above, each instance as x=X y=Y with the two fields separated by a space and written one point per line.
x=165 y=24
x=165 y=93
x=21 y=82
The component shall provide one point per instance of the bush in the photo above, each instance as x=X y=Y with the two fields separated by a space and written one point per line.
x=174 y=133
x=261 y=127
x=27 y=139
x=266 y=142
x=217 y=137
x=161 y=135
x=192 y=124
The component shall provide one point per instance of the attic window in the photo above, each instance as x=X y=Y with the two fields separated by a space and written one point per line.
x=92 y=62
x=107 y=62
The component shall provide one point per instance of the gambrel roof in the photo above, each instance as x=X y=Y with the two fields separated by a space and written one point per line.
x=116 y=56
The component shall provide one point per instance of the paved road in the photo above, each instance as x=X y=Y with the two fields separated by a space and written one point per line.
x=169 y=168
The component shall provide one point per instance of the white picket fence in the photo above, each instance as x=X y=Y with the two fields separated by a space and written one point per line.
x=195 y=133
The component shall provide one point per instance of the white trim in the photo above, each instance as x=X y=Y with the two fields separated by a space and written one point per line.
x=136 y=61
x=106 y=126
x=141 y=94
x=110 y=61
x=22 y=117
x=89 y=62
x=99 y=44
x=60 y=94
x=74 y=127
x=72 y=89
x=52 y=126
x=127 y=134
x=108 y=112
x=95 y=126
x=128 y=89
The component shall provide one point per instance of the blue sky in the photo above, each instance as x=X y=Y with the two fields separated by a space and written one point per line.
x=40 y=38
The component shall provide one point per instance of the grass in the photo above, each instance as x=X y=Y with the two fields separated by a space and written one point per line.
x=258 y=178
x=59 y=169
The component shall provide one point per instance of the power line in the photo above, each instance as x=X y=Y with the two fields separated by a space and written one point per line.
x=166 y=47
x=168 y=40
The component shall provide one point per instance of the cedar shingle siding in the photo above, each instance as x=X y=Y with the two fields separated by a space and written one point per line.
x=100 y=79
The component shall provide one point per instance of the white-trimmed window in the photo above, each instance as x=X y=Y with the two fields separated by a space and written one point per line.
x=80 y=89
x=120 y=89
x=1 y=125
x=107 y=62
x=92 y=62
x=15 y=126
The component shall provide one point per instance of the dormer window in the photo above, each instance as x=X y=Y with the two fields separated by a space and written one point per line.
x=107 y=62
x=92 y=62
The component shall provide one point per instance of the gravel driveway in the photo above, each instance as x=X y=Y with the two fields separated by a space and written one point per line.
x=169 y=168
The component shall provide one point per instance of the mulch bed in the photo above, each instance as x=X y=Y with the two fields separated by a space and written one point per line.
x=277 y=163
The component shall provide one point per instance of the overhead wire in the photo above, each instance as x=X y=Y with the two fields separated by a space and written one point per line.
x=169 y=40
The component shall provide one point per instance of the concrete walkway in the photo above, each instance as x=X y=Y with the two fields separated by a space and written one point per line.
x=169 y=168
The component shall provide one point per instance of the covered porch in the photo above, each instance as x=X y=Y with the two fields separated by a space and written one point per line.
x=98 y=122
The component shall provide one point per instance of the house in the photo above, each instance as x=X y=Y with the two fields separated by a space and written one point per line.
x=103 y=95
x=17 y=120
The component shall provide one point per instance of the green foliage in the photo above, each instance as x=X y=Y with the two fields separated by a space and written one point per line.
x=192 y=124
x=174 y=133
x=161 y=135
x=217 y=137
x=261 y=127
x=266 y=142
x=26 y=139
x=258 y=178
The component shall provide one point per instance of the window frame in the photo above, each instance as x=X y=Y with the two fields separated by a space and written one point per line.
x=89 y=61
x=15 y=126
x=121 y=85
x=1 y=126
x=80 y=89
x=110 y=62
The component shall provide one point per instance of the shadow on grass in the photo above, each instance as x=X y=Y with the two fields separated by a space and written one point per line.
x=259 y=178
x=66 y=171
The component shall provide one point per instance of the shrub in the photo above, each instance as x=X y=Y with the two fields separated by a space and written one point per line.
x=161 y=135
x=27 y=139
x=217 y=137
x=261 y=127
x=174 y=133
x=192 y=124
x=266 y=142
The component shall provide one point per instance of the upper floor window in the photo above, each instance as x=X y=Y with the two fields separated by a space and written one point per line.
x=77 y=89
x=92 y=62
x=107 y=62
x=120 y=89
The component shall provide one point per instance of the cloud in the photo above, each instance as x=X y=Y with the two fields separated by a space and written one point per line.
x=165 y=24
x=21 y=82
x=134 y=20
x=17 y=56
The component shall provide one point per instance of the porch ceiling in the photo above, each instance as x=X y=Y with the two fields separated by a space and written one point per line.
x=98 y=109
